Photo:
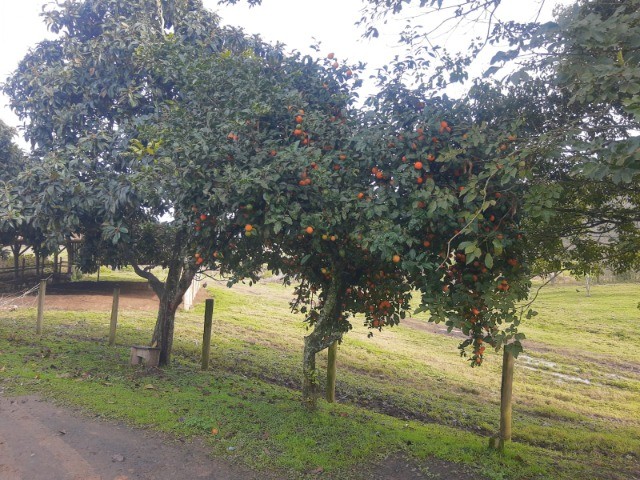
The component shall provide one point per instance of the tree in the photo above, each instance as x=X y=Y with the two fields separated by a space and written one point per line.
x=358 y=207
x=580 y=73
x=94 y=99
x=13 y=230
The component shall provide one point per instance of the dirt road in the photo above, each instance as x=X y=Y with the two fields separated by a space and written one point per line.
x=40 y=441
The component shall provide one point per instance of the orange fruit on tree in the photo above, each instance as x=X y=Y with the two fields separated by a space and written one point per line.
x=396 y=258
x=330 y=56
x=418 y=165
x=360 y=196
x=299 y=118
x=309 y=230
x=248 y=227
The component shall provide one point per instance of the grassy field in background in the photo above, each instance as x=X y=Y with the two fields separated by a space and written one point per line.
x=576 y=390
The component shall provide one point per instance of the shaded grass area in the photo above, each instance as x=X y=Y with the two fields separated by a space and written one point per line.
x=405 y=390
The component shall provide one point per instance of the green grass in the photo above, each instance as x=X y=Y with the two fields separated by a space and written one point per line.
x=576 y=391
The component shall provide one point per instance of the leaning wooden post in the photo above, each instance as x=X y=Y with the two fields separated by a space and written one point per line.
x=331 y=373
x=41 y=293
x=506 y=391
x=114 y=316
x=206 y=336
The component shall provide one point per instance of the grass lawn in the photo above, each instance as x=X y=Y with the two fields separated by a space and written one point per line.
x=576 y=389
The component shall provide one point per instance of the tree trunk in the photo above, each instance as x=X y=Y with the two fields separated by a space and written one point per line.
x=322 y=337
x=163 y=332
x=309 y=373
x=178 y=280
x=15 y=249
x=36 y=252
x=70 y=257
x=588 y=284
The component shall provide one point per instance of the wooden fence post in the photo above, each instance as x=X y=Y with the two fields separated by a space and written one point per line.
x=41 y=294
x=506 y=390
x=206 y=336
x=331 y=372
x=114 y=316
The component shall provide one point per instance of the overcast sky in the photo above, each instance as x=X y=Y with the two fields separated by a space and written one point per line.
x=297 y=23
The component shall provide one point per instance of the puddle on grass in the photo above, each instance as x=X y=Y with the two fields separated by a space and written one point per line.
x=562 y=376
x=537 y=361
x=545 y=366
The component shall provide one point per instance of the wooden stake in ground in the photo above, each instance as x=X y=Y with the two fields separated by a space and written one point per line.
x=506 y=391
x=41 y=294
x=114 y=316
x=206 y=336
x=331 y=373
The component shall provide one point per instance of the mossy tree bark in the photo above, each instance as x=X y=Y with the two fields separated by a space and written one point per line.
x=323 y=335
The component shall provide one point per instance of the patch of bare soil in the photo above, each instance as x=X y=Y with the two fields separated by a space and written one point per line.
x=42 y=441
x=98 y=296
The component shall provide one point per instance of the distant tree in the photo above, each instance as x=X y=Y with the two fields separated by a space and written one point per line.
x=14 y=231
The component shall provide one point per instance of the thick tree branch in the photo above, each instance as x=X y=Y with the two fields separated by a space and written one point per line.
x=156 y=284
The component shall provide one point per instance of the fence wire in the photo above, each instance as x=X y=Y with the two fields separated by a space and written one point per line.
x=18 y=299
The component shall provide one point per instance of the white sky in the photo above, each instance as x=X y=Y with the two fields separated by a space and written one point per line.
x=294 y=22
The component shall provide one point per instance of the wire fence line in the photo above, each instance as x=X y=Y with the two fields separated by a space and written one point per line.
x=10 y=301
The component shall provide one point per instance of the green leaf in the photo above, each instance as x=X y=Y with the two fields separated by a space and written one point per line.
x=488 y=261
